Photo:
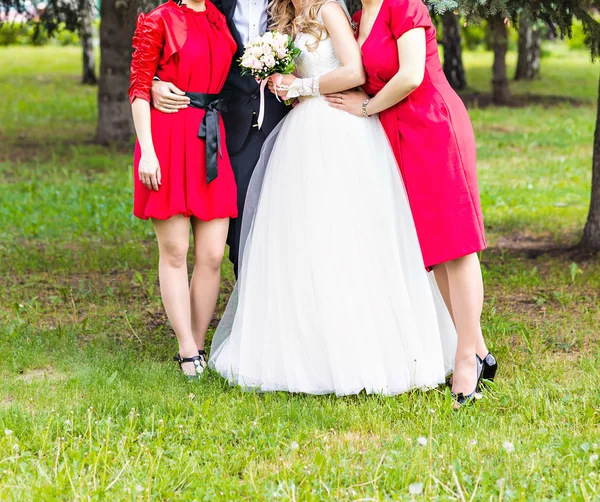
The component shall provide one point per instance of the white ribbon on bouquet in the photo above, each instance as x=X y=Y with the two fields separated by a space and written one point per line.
x=277 y=79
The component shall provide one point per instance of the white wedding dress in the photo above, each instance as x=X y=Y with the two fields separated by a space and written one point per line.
x=333 y=296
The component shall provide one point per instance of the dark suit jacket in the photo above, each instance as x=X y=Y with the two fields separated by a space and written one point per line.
x=244 y=94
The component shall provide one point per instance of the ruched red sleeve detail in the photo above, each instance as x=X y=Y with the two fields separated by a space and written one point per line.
x=148 y=42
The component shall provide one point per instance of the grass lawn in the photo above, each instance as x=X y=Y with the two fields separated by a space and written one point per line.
x=92 y=408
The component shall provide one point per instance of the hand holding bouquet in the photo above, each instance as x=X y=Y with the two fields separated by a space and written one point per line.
x=266 y=56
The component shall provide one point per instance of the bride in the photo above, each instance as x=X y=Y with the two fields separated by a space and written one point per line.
x=333 y=296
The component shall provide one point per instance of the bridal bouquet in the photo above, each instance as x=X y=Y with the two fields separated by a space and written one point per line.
x=267 y=56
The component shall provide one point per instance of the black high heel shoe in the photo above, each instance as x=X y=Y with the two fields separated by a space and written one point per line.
x=199 y=363
x=490 y=367
x=203 y=360
x=460 y=399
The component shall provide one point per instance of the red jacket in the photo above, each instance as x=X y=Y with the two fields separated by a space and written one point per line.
x=158 y=35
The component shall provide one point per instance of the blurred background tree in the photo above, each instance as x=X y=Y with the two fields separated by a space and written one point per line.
x=116 y=30
x=560 y=17
x=86 y=34
x=530 y=48
x=452 y=43
x=463 y=22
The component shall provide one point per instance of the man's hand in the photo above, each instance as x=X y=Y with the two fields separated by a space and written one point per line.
x=167 y=98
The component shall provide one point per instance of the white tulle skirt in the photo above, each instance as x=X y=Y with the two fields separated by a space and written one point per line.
x=333 y=296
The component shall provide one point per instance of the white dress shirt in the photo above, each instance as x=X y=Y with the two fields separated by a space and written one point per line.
x=251 y=18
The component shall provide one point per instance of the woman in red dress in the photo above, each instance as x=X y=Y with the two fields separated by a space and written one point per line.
x=182 y=171
x=432 y=138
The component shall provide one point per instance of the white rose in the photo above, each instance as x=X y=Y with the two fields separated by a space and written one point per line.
x=269 y=61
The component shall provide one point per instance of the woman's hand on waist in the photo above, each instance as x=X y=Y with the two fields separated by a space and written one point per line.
x=348 y=101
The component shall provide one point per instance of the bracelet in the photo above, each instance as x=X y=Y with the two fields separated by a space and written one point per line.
x=364 y=107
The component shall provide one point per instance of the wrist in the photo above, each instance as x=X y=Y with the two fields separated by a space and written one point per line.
x=365 y=108
x=148 y=150
x=304 y=87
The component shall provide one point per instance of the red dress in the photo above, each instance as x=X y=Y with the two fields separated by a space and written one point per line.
x=432 y=138
x=193 y=50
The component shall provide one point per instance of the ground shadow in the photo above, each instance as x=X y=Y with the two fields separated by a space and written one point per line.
x=474 y=99
x=534 y=246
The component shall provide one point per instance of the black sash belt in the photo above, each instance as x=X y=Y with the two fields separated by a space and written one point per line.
x=210 y=130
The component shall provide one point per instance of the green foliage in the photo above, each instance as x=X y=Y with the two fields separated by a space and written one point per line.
x=35 y=34
x=23 y=34
x=560 y=16
x=477 y=36
x=57 y=14
x=441 y=6
x=67 y=37
x=474 y=36
x=10 y=33
x=577 y=40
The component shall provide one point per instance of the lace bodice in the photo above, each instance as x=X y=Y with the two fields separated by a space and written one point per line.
x=318 y=62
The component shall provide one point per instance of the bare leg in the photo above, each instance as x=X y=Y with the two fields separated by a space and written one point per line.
x=173 y=242
x=441 y=277
x=482 y=349
x=466 y=296
x=209 y=247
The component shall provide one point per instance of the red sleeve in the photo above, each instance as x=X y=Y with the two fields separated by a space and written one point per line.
x=148 y=42
x=407 y=15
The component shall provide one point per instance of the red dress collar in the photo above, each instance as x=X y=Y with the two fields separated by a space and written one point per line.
x=211 y=12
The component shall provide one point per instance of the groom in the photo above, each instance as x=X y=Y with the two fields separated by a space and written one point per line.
x=246 y=19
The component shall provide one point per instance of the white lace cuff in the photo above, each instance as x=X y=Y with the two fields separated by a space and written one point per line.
x=304 y=87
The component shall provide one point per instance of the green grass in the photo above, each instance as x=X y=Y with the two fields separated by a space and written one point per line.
x=564 y=73
x=91 y=407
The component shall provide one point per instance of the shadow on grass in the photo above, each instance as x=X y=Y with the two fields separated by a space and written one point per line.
x=533 y=246
x=474 y=99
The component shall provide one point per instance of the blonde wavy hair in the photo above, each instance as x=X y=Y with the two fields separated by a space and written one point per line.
x=285 y=19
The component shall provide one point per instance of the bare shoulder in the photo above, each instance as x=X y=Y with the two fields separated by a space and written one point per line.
x=335 y=18
x=332 y=10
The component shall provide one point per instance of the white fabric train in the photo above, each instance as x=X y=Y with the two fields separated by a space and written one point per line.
x=333 y=296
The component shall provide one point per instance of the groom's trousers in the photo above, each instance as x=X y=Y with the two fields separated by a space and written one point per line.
x=243 y=162
x=245 y=140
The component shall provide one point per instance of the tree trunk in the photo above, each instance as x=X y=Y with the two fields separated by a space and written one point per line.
x=453 y=64
x=87 y=45
x=530 y=49
x=500 y=90
x=116 y=31
x=591 y=233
